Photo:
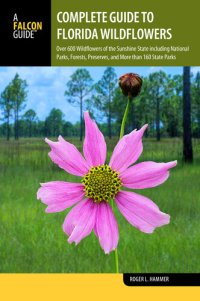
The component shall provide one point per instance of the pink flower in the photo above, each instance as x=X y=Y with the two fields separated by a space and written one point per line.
x=101 y=183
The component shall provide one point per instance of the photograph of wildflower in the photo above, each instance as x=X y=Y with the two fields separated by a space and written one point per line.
x=99 y=169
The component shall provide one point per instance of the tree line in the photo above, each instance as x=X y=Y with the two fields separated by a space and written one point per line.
x=169 y=104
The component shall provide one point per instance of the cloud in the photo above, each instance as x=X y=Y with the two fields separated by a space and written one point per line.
x=46 y=87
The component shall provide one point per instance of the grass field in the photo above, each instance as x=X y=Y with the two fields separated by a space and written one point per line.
x=33 y=241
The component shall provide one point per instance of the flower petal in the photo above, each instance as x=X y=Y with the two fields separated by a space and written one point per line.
x=94 y=147
x=106 y=228
x=146 y=174
x=127 y=150
x=72 y=217
x=67 y=157
x=59 y=195
x=80 y=221
x=140 y=211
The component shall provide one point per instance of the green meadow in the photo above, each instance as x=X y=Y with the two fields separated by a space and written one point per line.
x=32 y=241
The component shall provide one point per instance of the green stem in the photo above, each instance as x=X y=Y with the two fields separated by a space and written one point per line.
x=116 y=252
x=112 y=202
x=125 y=118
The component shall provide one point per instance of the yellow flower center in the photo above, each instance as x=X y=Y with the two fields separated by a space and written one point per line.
x=101 y=183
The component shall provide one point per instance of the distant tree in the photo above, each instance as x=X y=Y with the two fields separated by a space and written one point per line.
x=19 y=94
x=172 y=106
x=78 y=88
x=40 y=128
x=119 y=102
x=30 y=117
x=22 y=127
x=145 y=107
x=187 y=134
x=105 y=89
x=76 y=129
x=54 y=123
x=158 y=90
x=6 y=105
x=3 y=129
x=196 y=103
x=68 y=129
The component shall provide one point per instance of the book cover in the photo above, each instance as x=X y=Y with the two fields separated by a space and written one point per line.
x=99 y=150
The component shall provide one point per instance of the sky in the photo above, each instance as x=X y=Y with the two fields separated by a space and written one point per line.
x=46 y=85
